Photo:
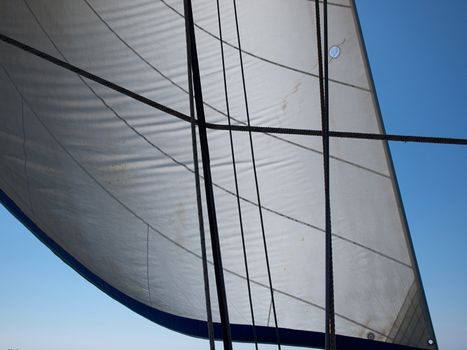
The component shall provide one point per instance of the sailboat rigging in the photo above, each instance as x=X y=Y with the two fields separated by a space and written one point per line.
x=106 y=108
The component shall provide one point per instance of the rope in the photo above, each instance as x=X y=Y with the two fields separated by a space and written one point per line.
x=245 y=95
x=242 y=128
x=242 y=233
x=207 y=293
x=340 y=134
x=215 y=242
x=330 y=332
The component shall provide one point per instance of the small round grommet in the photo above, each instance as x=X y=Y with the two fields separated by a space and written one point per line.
x=334 y=52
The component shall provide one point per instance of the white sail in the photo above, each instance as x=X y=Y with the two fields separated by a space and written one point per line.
x=108 y=182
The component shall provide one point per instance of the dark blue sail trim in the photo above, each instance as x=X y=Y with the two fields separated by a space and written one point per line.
x=196 y=328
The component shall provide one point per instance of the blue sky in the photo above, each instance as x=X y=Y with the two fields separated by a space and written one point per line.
x=418 y=53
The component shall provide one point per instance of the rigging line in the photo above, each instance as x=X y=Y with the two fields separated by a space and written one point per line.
x=208 y=104
x=160 y=233
x=215 y=242
x=330 y=279
x=244 y=128
x=207 y=292
x=340 y=134
x=232 y=150
x=400 y=138
x=271 y=131
x=258 y=197
x=330 y=333
x=264 y=59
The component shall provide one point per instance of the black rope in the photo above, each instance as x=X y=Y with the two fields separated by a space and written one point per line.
x=340 y=134
x=245 y=95
x=207 y=292
x=330 y=332
x=330 y=321
x=401 y=138
x=232 y=150
x=243 y=128
x=215 y=243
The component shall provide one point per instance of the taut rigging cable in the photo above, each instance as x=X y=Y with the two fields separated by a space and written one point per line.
x=215 y=243
x=330 y=331
x=199 y=204
x=243 y=128
x=271 y=289
x=242 y=233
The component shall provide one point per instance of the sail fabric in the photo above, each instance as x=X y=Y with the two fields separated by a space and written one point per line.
x=111 y=181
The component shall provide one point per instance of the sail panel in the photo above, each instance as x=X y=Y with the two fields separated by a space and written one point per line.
x=111 y=181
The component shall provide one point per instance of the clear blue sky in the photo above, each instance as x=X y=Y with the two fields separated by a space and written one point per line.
x=418 y=53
